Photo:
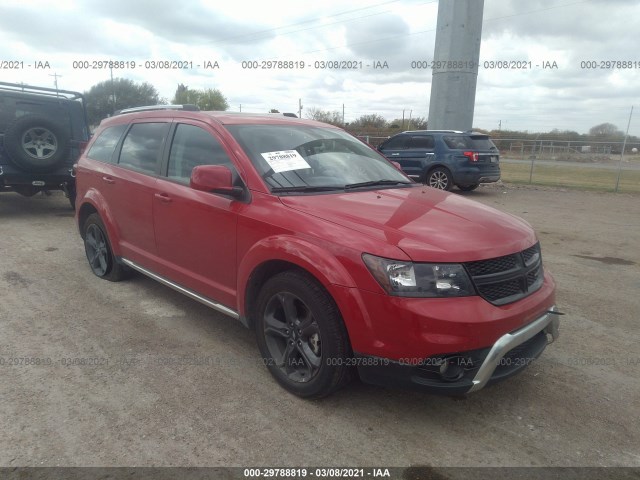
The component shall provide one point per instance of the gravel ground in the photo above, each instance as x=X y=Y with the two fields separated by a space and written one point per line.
x=172 y=383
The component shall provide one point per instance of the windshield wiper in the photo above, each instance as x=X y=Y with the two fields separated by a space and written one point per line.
x=307 y=188
x=375 y=183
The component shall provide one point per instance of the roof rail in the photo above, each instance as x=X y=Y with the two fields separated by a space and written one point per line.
x=51 y=92
x=187 y=107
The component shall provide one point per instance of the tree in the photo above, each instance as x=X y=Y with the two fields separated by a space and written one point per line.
x=334 y=118
x=206 y=99
x=373 y=121
x=605 y=130
x=274 y=110
x=105 y=97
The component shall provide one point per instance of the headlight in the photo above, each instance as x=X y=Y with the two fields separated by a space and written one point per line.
x=408 y=279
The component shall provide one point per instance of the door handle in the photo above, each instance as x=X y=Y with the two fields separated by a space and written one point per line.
x=109 y=180
x=395 y=154
x=163 y=197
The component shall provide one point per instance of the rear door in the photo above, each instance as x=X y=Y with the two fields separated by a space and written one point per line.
x=131 y=184
x=196 y=231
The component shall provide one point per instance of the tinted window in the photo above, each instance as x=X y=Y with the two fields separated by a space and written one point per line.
x=421 y=141
x=396 y=143
x=141 y=146
x=103 y=147
x=193 y=146
x=458 y=142
x=482 y=142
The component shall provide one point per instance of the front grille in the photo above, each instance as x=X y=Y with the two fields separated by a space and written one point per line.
x=495 y=265
x=509 y=278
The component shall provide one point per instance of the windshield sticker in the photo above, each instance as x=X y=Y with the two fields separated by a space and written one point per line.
x=285 y=160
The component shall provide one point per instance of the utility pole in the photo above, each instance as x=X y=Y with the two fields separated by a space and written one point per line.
x=240 y=108
x=409 y=124
x=299 y=108
x=457 y=53
x=55 y=81
x=113 y=91
x=343 y=114
x=624 y=144
x=402 y=119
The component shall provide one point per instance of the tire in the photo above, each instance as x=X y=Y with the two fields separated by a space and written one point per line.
x=439 y=178
x=468 y=188
x=301 y=335
x=98 y=250
x=36 y=144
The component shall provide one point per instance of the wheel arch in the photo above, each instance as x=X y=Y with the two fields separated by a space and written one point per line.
x=91 y=203
x=278 y=254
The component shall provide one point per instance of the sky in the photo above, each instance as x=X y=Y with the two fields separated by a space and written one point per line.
x=38 y=41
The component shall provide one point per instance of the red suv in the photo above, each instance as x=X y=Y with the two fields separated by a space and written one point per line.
x=338 y=261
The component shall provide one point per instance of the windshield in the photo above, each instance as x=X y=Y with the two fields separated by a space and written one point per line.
x=308 y=158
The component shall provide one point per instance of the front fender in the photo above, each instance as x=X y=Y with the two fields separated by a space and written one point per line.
x=318 y=261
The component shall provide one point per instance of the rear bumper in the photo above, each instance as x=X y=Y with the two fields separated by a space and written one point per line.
x=464 y=372
x=11 y=176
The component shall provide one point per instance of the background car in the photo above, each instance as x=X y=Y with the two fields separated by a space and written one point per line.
x=42 y=133
x=444 y=158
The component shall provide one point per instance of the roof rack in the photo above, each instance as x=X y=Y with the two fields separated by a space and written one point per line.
x=187 y=107
x=51 y=92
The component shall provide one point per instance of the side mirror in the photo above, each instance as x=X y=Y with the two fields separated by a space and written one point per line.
x=397 y=165
x=215 y=179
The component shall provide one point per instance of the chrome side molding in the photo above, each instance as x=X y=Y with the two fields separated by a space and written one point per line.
x=189 y=293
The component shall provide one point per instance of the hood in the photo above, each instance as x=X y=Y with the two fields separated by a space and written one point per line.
x=427 y=224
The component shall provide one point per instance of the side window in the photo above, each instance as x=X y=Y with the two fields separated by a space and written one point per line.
x=193 y=146
x=421 y=141
x=103 y=147
x=396 y=143
x=141 y=146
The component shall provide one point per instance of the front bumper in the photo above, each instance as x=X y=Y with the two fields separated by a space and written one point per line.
x=468 y=371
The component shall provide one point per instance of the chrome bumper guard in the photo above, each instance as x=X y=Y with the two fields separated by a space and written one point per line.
x=549 y=323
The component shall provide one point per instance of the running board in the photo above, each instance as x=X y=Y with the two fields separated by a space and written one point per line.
x=189 y=293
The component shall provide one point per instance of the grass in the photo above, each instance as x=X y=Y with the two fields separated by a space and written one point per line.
x=569 y=176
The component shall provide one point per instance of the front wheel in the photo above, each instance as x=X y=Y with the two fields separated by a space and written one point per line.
x=468 y=188
x=301 y=335
x=439 y=178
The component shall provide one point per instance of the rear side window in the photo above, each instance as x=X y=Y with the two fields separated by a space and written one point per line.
x=193 y=146
x=141 y=146
x=421 y=141
x=103 y=146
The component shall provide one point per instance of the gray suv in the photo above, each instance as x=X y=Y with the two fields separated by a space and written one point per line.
x=444 y=158
x=42 y=133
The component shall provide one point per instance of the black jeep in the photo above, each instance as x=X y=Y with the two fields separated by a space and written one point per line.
x=42 y=133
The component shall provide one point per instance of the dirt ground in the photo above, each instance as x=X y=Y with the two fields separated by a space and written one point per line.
x=135 y=374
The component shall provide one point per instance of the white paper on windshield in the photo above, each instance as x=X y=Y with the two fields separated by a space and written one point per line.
x=285 y=160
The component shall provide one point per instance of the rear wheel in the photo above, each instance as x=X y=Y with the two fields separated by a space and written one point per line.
x=301 y=335
x=439 y=178
x=468 y=188
x=98 y=249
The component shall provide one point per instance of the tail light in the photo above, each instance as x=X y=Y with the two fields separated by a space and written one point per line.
x=472 y=156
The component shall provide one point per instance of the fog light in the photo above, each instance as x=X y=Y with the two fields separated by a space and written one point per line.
x=451 y=369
